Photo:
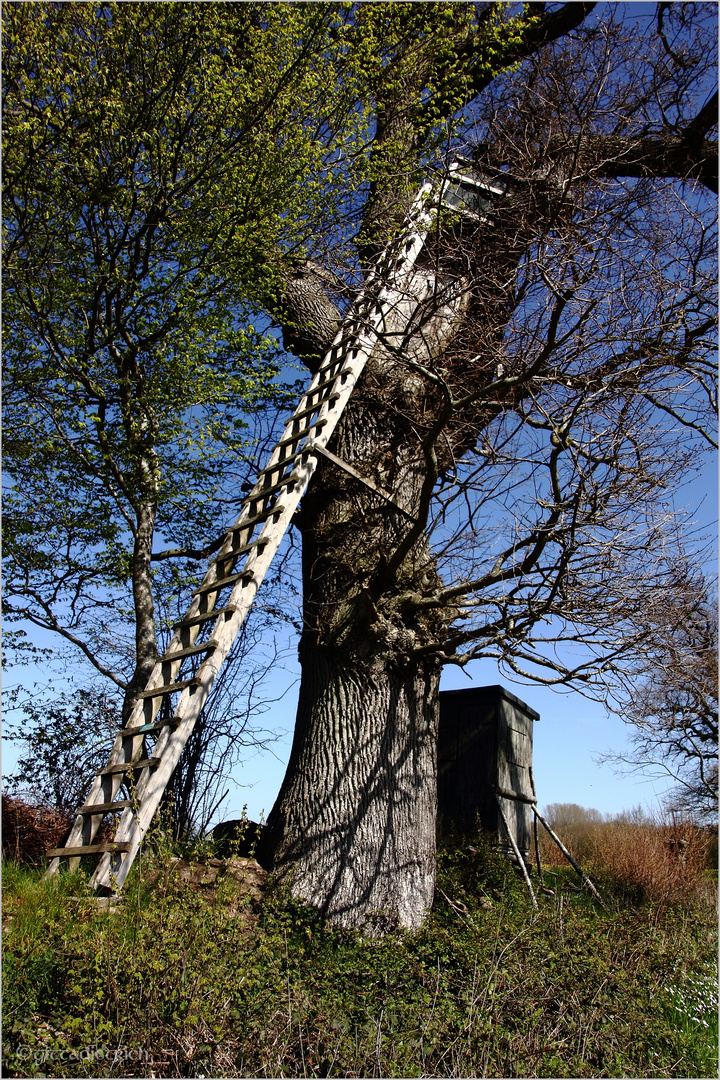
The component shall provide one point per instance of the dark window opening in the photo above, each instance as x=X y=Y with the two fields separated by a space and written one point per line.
x=467 y=197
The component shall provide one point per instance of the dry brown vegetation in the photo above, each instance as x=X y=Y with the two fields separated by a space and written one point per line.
x=29 y=829
x=656 y=860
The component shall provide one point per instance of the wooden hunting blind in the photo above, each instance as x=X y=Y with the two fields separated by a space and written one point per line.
x=473 y=194
x=471 y=191
x=485 y=755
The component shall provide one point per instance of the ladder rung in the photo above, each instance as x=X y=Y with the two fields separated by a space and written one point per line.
x=315 y=426
x=286 y=481
x=145 y=729
x=339 y=352
x=235 y=553
x=334 y=355
x=128 y=766
x=192 y=620
x=309 y=409
x=330 y=381
x=90 y=849
x=262 y=516
x=170 y=688
x=105 y=807
x=279 y=466
x=192 y=650
x=222 y=583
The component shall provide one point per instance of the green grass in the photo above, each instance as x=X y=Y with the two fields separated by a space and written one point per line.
x=180 y=981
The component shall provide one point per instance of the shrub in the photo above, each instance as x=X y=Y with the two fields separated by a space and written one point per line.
x=30 y=829
x=176 y=981
x=648 y=859
x=475 y=869
x=662 y=863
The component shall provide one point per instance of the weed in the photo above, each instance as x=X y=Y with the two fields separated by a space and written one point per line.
x=691 y=1004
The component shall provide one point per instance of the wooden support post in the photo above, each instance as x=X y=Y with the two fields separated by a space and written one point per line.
x=516 y=849
x=318 y=448
x=535 y=829
x=568 y=856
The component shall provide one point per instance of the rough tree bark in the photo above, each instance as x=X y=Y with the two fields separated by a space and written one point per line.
x=145 y=641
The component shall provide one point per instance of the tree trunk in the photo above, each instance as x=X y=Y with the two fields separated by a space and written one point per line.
x=353 y=829
x=146 y=653
x=355 y=820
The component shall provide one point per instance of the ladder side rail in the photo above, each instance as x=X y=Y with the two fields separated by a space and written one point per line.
x=338 y=354
x=105 y=787
x=158 y=678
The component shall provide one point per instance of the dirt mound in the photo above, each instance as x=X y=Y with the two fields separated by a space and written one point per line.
x=211 y=877
x=208 y=873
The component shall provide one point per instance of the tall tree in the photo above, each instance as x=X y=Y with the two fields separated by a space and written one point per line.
x=670 y=697
x=157 y=158
x=552 y=386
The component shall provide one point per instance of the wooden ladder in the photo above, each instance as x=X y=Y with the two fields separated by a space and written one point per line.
x=222 y=601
